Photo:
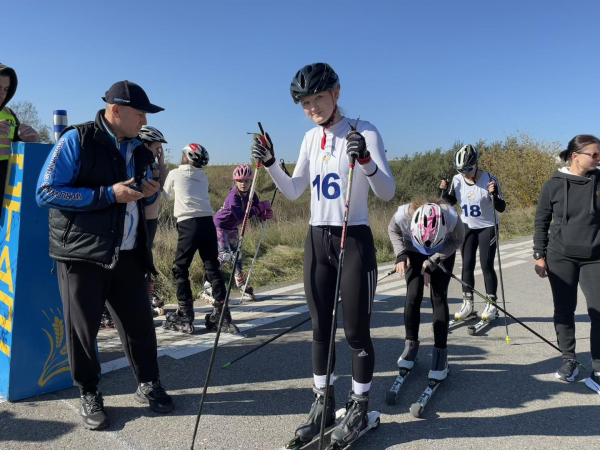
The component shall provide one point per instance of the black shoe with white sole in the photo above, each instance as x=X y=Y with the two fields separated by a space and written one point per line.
x=568 y=371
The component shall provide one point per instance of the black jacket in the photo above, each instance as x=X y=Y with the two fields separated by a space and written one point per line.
x=95 y=236
x=573 y=203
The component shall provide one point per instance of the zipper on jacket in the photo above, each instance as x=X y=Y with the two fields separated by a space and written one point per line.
x=67 y=231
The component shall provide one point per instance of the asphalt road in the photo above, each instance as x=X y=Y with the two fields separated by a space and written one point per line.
x=496 y=395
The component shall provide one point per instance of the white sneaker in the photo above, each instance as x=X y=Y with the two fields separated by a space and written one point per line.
x=467 y=308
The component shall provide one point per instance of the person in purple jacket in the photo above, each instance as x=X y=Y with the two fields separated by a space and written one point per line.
x=230 y=217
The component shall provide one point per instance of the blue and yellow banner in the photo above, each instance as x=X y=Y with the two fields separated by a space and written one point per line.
x=33 y=353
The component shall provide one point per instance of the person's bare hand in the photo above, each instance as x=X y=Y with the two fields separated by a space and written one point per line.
x=28 y=134
x=124 y=194
x=444 y=185
x=402 y=267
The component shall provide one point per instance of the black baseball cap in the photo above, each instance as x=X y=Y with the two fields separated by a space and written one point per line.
x=126 y=93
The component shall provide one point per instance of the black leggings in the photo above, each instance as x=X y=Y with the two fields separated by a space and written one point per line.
x=197 y=234
x=439 y=299
x=358 y=284
x=565 y=274
x=485 y=239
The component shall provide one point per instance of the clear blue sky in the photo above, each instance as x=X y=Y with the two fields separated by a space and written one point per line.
x=426 y=73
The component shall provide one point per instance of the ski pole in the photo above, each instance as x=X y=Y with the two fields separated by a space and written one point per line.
x=262 y=235
x=226 y=302
x=497 y=233
x=489 y=300
x=391 y=272
x=337 y=294
x=265 y=343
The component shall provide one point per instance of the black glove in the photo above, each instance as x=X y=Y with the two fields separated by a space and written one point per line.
x=263 y=151
x=357 y=146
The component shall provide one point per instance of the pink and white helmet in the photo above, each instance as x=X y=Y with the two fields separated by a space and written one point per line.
x=429 y=228
x=242 y=172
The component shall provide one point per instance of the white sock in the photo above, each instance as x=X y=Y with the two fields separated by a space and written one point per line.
x=360 y=388
x=597 y=374
x=319 y=381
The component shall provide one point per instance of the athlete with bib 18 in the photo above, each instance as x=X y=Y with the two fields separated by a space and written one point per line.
x=479 y=196
x=324 y=165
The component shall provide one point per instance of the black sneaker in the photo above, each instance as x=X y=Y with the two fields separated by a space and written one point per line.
x=92 y=411
x=155 y=396
x=568 y=371
x=593 y=382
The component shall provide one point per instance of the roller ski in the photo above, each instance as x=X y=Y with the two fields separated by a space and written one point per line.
x=466 y=313
x=181 y=320
x=406 y=363
x=212 y=320
x=356 y=422
x=308 y=432
x=489 y=314
x=156 y=303
x=437 y=374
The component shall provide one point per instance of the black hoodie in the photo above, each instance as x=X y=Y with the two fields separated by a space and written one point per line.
x=6 y=71
x=573 y=202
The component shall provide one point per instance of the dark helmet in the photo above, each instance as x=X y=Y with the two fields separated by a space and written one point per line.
x=312 y=79
x=465 y=158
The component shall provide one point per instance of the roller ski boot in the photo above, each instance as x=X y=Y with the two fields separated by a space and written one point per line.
x=155 y=302
x=406 y=362
x=248 y=293
x=308 y=432
x=207 y=294
x=467 y=311
x=181 y=320
x=356 y=422
x=212 y=320
x=437 y=374
x=107 y=320
x=489 y=313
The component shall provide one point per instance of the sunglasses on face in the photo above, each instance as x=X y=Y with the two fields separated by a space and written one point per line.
x=469 y=170
x=594 y=156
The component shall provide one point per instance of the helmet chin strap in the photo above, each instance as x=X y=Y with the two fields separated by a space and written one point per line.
x=328 y=123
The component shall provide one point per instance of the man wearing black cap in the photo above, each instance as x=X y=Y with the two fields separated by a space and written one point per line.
x=96 y=186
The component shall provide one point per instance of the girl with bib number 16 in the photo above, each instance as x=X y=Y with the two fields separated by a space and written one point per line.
x=323 y=166
x=479 y=196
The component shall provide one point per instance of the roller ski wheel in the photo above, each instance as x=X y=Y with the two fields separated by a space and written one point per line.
x=416 y=409
x=175 y=321
x=374 y=420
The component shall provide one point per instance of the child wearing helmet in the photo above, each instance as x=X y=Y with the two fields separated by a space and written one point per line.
x=479 y=196
x=324 y=167
x=425 y=233
x=230 y=217
x=154 y=140
x=188 y=186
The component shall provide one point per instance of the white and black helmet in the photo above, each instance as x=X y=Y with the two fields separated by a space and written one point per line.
x=196 y=155
x=465 y=158
x=151 y=134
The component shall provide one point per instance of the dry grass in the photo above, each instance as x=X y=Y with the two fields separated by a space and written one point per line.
x=521 y=165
